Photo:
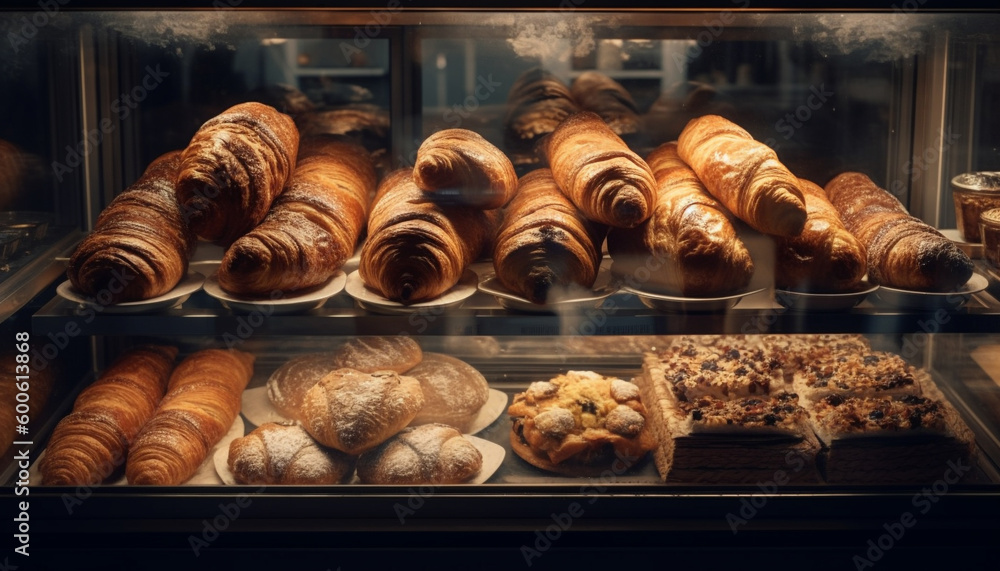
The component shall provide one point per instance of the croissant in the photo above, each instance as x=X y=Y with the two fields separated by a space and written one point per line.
x=536 y=104
x=460 y=166
x=825 y=256
x=366 y=124
x=744 y=175
x=428 y=454
x=596 y=170
x=416 y=249
x=202 y=401
x=689 y=246
x=594 y=91
x=90 y=443
x=903 y=251
x=285 y=454
x=312 y=228
x=544 y=242
x=233 y=169
x=141 y=243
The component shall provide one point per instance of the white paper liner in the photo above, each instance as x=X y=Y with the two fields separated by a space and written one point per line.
x=258 y=409
x=205 y=475
x=493 y=455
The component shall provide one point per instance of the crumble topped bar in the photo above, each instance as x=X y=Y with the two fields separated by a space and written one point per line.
x=780 y=411
x=841 y=416
x=867 y=373
x=724 y=370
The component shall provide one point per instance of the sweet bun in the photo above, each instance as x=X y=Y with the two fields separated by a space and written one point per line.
x=426 y=454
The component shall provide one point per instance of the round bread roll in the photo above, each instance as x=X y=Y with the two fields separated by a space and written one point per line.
x=454 y=391
x=354 y=411
x=287 y=386
x=285 y=454
x=426 y=454
x=380 y=353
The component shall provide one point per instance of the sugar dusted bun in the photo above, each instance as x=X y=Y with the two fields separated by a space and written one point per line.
x=454 y=391
x=285 y=454
x=426 y=454
x=354 y=411
x=386 y=353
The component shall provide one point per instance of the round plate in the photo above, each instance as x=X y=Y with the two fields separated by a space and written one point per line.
x=573 y=299
x=806 y=301
x=368 y=299
x=310 y=299
x=689 y=304
x=924 y=300
x=183 y=290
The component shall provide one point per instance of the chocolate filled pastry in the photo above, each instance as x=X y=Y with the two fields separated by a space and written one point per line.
x=545 y=243
x=580 y=424
x=236 y=164
x=416 y=249
x=141 y=242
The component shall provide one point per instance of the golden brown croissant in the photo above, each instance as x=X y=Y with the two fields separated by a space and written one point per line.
x=595 y=91
x=202 y=401
x=90 y=443
x=744 y=175
x=312 y=228
x=536 y=104
x=461 y=167
x=544 y=241
x=825 y=257
x=285 y=454
x=416 y=249
x=233 y=169
x=689 y=246
x=903 y=252
x=141 y=243
x=604 y=179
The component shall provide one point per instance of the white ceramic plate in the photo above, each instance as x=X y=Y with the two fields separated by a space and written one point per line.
x=257 y=409
x=371 y=301
x=576 y=298
x=181 y=292
x=493 y=455
x=689 y=304
x=294 y=303
x=806 y=301
x=923 y=300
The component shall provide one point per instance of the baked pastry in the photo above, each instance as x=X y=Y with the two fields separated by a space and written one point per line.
x=236 y=164
x=689 y=246
x=458 y=166
x=454 y=391
x=536 y=104
x=416 y=250
x=595 y=91
x=312 y=228
x=544 y=242
x=285 y=454
x=364 y=123
x=202 y=401
x=743 y=174
x=678 y=104
x=289 y=383
x=825 y=257
x=91 y=442
x=903 y=251
x=141 y=242
x=596 y=170
x=723 y=411
x=580 y=424
x=430 y=454
x=283 y=97
x=354 y=411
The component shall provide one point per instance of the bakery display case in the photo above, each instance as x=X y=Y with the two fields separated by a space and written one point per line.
x=549 y=285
